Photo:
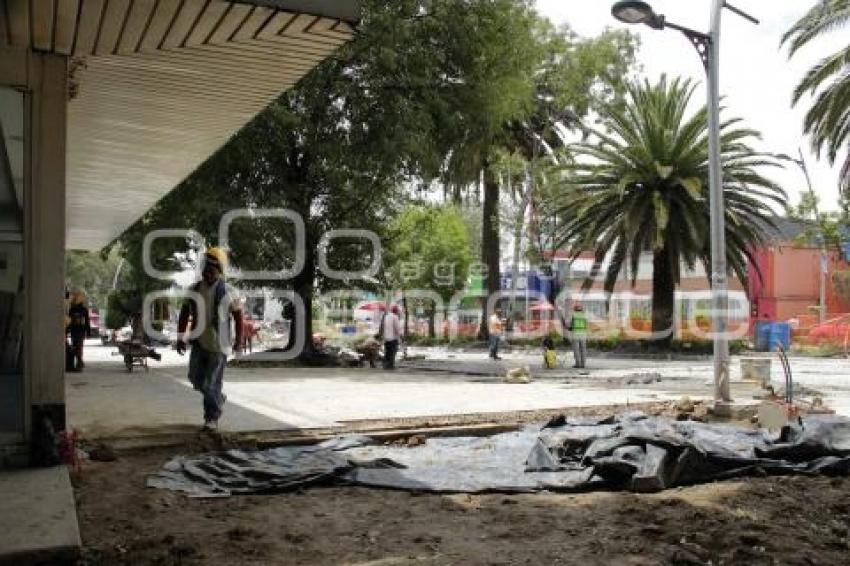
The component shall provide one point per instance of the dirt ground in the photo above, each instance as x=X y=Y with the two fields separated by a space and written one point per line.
x=780 y=520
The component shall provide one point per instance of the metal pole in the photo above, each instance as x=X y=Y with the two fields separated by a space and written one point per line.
x=719 y=287
x=823 y=260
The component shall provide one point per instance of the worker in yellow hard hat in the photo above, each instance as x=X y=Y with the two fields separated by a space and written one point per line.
x=215 y=339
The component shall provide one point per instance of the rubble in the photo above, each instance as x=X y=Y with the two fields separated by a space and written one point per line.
x=518 y=375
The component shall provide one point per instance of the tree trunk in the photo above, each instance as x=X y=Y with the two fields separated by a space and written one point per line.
x=519 y=228
x=432 y=315
x=303 y=285
x=663 y=298
x=490 y=242
x=406 y=313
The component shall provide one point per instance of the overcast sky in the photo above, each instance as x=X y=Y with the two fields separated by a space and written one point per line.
x=756 y=78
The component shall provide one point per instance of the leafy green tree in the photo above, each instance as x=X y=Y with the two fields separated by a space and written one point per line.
x=644 y=187
x=424 y=91
x=819 y=227
x=430 y=251
x=92 y=273
x=828 y=119
x=571 y=77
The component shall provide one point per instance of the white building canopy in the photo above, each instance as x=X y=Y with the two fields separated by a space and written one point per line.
x=157 y=86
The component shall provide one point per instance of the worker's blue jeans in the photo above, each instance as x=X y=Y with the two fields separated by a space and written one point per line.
x=494 y=345
x=206 y=373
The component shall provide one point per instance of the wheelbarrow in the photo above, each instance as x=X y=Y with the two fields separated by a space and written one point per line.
x=135 y=354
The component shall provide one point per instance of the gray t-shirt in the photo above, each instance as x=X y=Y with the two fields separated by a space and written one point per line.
x=218 y=339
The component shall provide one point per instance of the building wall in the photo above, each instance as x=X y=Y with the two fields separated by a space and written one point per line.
x=790 y=283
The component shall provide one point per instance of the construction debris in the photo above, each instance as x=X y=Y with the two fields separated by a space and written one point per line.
x=518 y=375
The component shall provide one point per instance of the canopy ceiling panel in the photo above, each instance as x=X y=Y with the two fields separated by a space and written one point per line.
x=159 y=85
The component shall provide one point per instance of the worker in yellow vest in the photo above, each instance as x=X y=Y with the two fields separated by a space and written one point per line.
x=578 y=335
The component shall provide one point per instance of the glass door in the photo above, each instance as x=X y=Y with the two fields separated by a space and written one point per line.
x=12 y=178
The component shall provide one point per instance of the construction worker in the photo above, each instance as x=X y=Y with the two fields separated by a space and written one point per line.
x=495 y=328
x=79 y=327
x=578 y=335
x=215 y=342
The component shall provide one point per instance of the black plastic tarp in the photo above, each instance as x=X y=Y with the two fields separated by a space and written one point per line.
x=631 y=451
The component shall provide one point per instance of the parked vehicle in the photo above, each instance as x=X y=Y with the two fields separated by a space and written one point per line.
x=94 y=321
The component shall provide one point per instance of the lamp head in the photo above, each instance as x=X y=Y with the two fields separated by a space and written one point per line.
x=637 y=12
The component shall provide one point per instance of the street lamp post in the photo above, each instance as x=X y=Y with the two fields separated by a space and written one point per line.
x=708 y=48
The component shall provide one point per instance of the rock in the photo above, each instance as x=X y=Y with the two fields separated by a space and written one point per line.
x=684 y=405
x=685 y=557
x=239 y=534
x=518 y=375
x=102 y=453
x=416 y=440
x=183 y=549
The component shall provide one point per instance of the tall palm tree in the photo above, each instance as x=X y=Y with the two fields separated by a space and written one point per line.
x=643 y=186
x=828 y=119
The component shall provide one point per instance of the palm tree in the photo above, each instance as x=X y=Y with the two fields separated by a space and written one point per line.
x=828 y=119
x=643 y=187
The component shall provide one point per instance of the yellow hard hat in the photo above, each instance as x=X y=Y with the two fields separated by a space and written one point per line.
x=216 y=257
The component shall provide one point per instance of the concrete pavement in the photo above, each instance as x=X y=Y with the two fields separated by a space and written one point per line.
x=105 y=401
x=39 y=518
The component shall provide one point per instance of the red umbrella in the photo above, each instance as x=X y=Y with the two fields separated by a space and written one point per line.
x=541 y=307
x=371 y=306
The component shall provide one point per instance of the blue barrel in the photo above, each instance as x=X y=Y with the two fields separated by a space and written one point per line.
x=780 y=334
x=762 y=335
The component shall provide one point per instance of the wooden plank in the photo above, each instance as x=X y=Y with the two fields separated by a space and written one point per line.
x=300 y=24
x=111 y=26
x=344 y=28
x=311 y=28
x=19 y=22
x=193 y=58
x=234 y=19
x=124 y=87
x=328 y=28
x=159 y=24
x=42 y=24
x=183 y=23
x=66 y=26
x=274 y=25
x=253 y=24
x=186 y=83
x=282 y=46
x=207 y=23
x=91 y=12
x=137 y=21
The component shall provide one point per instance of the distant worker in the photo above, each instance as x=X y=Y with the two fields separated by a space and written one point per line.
x=215 y=343
x=550 y=355
x=391 y=332
x=578 y=335
x=496 y=330
x=249 y=332
x=79 y=327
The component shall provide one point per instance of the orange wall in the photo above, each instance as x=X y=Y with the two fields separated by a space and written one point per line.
x=791 y=283
x=795 y=272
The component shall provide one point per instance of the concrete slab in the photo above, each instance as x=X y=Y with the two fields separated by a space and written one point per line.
x=106 y=402
x=38 y=524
